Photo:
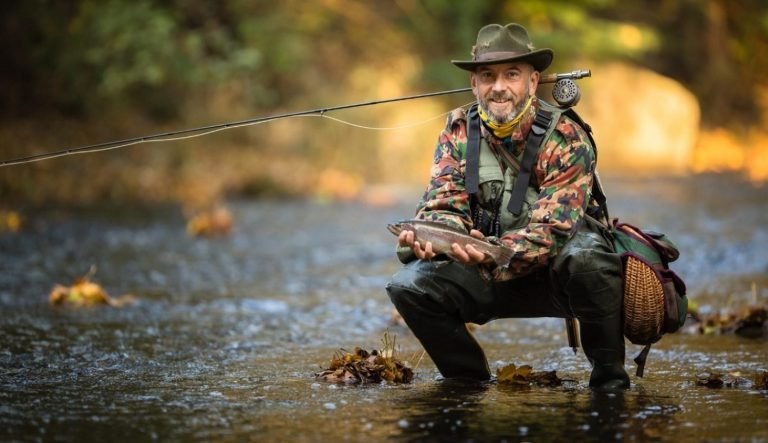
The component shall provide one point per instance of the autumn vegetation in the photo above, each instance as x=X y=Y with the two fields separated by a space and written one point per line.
x=84 y=72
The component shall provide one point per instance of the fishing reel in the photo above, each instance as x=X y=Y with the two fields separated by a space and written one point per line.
x=565 y=91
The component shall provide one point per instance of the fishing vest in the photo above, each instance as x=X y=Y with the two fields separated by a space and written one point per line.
x=501 y=197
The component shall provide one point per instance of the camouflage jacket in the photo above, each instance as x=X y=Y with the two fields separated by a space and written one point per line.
x=563 y=173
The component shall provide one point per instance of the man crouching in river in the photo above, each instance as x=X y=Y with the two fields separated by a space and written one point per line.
x=562 y=263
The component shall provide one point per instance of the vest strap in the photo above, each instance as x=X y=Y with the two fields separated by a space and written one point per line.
x=472 y=171
x=532 y=143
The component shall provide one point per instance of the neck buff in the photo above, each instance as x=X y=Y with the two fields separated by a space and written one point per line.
x=503 y=130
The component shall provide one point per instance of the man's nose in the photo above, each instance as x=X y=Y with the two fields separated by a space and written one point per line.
x=498 y=84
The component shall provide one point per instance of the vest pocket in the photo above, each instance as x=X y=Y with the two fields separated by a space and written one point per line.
x=509 y=220
x=492 y=187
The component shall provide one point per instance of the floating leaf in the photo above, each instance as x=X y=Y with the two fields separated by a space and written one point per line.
x=214 y=222
x=525 y=376
x=749 y=321
x=761 y=381
x=85 y=293
x=717 y=380
x=10 y=221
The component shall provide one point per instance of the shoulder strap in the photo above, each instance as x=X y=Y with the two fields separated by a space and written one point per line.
x=532 y=143
x=472 y=174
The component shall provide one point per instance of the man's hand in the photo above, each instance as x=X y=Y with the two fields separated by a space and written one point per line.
x=406 y=238
x=468 y=255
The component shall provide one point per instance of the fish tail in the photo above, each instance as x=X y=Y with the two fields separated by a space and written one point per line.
x=504 y=256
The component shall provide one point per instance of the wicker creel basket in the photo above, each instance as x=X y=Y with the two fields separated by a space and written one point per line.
x=643 y=303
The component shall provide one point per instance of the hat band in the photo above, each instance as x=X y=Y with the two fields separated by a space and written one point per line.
x=490 y=56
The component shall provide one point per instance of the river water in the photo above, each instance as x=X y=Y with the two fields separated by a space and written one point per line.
x=227 y=334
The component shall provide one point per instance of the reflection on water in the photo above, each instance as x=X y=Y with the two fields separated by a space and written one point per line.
x=227 y=333
x=451 y=412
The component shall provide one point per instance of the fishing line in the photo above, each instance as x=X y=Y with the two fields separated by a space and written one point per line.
x=389 y=128
x=568 y=95
x=207 y=130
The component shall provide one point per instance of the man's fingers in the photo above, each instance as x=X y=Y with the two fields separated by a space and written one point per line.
x=405 y=238
x=459 y=254
x=423 y=254
x=475 y=255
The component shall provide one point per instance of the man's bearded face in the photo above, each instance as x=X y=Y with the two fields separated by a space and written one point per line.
x=502 y=107
x=503 y=89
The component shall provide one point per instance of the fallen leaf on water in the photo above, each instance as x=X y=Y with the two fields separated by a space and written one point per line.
x=747 y=321
x=364 y=367
x=214 y=222
x=10 y=221
x=717 y=380
x=85 y=293
x=525 y=376
x=761 y=380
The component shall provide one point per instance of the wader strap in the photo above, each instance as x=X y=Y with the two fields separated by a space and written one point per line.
x=539 y=128
x=640 y=360
x=472 y=170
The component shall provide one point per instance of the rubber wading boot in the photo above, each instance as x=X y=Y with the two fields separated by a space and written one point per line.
x=603 y=343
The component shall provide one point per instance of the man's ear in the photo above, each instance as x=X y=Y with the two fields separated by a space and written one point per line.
x=473 y=82
x=534 y=80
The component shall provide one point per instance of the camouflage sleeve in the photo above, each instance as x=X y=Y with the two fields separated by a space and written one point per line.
x=564 y=171
x=445 y=199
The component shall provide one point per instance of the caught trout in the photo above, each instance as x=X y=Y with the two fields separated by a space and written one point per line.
x=443 y=236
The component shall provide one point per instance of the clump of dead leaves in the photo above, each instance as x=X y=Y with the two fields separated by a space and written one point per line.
x=525 y=376
x=85 y=293
x=747 y=321
x=713 y=379
x=365 y=367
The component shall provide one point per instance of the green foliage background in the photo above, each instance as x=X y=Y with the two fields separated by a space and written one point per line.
x=93 y=70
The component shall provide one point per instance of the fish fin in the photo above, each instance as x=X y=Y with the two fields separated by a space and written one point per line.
x=436 y=224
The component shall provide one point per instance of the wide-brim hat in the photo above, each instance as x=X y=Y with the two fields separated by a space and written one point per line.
x=505 y=44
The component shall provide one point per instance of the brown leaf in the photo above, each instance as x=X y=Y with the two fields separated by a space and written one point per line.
x=525 y=376
x=85 y=293
x=761 y=380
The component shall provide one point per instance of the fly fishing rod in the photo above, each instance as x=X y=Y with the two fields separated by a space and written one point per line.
x=570 y=95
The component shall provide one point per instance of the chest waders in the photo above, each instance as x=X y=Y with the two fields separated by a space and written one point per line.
x=501 y=199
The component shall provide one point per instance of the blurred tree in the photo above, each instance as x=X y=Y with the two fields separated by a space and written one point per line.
x=88 y=55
